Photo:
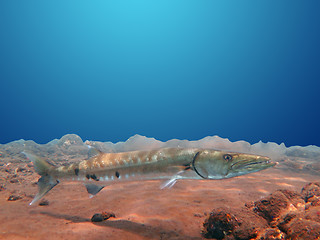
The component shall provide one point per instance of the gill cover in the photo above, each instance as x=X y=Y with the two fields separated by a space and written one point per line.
x=208 y=165
x=198 y=166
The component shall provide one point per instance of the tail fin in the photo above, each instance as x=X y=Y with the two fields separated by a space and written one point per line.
x=46 y=182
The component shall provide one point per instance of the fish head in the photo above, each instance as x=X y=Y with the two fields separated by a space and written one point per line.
x=212 y=164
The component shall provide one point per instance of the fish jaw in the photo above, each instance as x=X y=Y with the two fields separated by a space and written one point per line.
x=252 y=165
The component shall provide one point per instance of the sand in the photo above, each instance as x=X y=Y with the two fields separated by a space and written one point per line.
x=142 y=210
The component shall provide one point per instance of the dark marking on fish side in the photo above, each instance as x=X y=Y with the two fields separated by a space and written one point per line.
x=76 y=171
x=94 y=177
x=187 y=166
x=117 y=174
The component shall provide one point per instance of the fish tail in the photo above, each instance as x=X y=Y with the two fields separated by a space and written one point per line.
x=47 y=181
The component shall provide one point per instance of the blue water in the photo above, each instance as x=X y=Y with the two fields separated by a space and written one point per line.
x=107 y=70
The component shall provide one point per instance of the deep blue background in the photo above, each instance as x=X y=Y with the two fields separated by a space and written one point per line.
x=106 y=70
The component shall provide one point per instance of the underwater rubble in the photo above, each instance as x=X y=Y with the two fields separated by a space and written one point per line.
x=284 y=214
x=99 y=217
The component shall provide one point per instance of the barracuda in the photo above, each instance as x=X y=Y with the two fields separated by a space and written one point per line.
x=170 y=164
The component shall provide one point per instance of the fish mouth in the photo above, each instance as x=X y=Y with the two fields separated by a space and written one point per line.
x=261 y=163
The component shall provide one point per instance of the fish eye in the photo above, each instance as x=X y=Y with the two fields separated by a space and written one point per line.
x=227 y=157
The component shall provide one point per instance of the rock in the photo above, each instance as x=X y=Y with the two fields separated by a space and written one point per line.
x=313 y=167
x=250 y=224
x=44 y=202
x=68 y=140
x=14 y=198
x=138 y=142
x=314 y=201
x=272 y=234
x=99 y=217
x=219 y=224
x=284 y=223
x=303 y=229
x=310 y=190
x=246 y=233
x=2 y=188
x=14 y=180
x=233 y=224
x=303 y=224
x=310 y=151
x=278 y=203
x=19 y=169
x=282 y=215
x=249 y=205
x=107 y=215
x=103 y=147
x=313 y=214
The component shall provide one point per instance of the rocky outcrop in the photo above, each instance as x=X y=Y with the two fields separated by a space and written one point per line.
x=284 y=214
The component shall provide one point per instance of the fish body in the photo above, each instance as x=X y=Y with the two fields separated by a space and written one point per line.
x=136 y=165
x=166 y=163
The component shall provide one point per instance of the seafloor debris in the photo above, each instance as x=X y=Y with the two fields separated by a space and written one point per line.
x=219 y=224
x=44 y=202
x=277 y=203
x=284 y=214
x=99 y=217
x=311 y=190
x=243 y=223
x=2 y=187
x=14 y=197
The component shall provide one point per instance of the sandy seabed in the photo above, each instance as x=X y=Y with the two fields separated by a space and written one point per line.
x=142 y=210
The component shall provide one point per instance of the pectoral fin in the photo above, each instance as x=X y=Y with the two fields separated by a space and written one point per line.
x=93 y=189
x=169 y=183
